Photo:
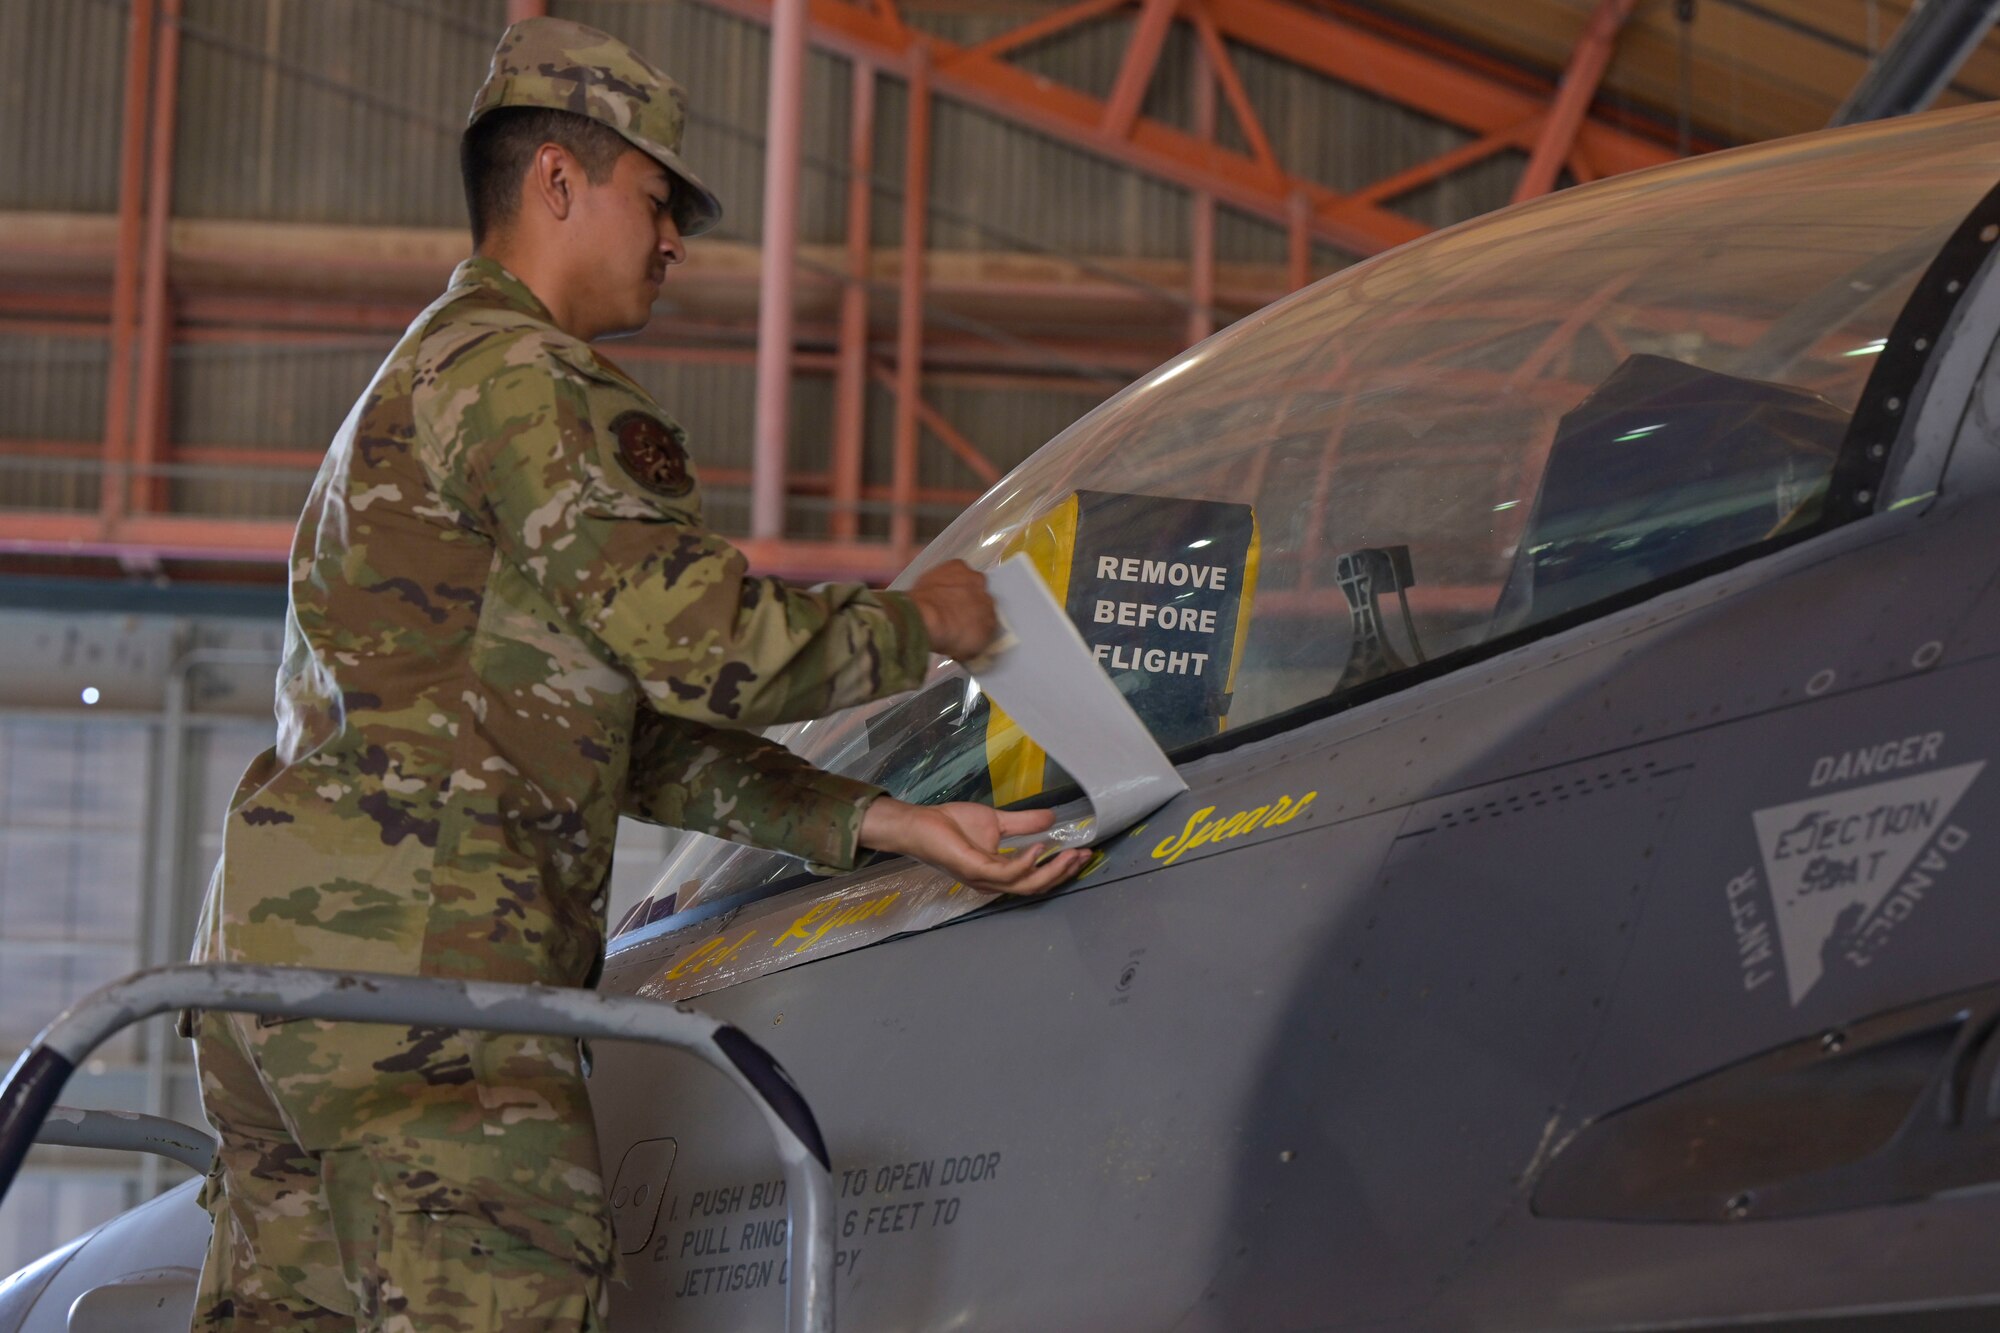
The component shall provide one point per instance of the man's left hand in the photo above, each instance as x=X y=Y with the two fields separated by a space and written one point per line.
x=962 y=839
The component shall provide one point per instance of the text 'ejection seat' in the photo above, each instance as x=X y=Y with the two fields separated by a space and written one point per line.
x=1161 y=589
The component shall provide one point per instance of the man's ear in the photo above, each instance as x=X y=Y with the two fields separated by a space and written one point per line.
x=553 y=174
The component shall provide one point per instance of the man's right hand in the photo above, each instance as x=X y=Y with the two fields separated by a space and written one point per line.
x=962 y=839
x=957 y=610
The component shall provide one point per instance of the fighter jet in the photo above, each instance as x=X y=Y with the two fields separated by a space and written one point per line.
x=1577 y=634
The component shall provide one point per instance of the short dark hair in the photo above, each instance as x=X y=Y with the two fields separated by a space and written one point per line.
x=496 y=150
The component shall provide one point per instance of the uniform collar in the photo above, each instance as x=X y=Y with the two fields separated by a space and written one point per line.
x=489 y=276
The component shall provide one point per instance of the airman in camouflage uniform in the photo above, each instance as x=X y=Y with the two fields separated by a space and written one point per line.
x=508 y=625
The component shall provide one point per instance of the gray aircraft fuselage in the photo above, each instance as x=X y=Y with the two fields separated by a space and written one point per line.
x=1310 y=1077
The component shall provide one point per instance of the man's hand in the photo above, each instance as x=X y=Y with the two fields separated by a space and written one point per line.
x=958 y=611
x=963 y=840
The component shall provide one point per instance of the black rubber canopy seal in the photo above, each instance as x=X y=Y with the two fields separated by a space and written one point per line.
x=25 y=1102
x=1882 y=418
x=775 y=1087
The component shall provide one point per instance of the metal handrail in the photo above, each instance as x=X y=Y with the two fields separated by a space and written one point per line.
x=37 y=1078
x=127 y=1131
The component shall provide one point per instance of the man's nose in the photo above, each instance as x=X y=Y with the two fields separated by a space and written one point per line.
x=672 y=248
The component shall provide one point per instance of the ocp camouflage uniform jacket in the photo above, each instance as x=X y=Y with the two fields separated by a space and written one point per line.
x=508 y=625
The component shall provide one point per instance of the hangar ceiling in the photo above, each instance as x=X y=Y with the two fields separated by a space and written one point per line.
x=1758 y=69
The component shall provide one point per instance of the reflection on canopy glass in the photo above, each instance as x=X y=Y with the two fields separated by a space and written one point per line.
x=1491 y=427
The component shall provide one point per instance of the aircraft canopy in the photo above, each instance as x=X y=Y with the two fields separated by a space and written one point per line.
x=1507 y=421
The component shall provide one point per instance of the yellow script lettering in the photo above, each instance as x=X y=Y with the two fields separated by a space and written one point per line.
x=816 y=921
x=1202 y=830
x=1294 y=812
x=797 y=930
x=708 y=957
x=1170 y=849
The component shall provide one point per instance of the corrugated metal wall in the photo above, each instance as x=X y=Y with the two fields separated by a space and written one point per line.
x=347 y=111
x=259 y=397
x=50 y=389
x=327 y=112
x=62 y=78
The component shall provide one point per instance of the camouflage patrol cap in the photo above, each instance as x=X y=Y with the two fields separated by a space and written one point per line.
x=564 y=66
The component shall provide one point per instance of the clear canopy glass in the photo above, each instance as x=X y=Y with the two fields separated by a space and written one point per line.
x=1498 y=424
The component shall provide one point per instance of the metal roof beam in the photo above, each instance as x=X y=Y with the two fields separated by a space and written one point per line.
x=1419 y=80
x=1557 y=141
x=1416 y=79
x=1152 y=146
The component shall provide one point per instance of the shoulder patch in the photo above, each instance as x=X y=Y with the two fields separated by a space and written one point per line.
x=652 y=453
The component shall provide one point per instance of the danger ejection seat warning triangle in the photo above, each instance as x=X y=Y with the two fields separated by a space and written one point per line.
x=1833 y=859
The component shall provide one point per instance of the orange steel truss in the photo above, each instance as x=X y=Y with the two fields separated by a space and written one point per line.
x=1500 y=113
x=1498 y=109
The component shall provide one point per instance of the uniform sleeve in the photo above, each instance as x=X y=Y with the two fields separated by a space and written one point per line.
x=583 y=485
x=737 y=785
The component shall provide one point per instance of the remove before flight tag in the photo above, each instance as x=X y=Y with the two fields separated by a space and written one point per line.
x=1042 y=673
